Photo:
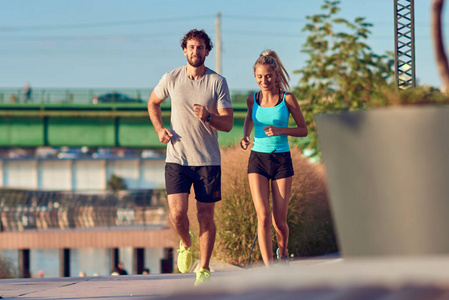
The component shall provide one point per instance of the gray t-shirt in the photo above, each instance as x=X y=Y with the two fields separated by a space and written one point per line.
x=194 y=142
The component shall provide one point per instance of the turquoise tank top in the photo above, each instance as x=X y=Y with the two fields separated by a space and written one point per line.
x=265 y=116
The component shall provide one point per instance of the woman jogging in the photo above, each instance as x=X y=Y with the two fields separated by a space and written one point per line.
x=270 y=163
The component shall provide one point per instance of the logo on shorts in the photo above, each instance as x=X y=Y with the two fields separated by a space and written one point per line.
x=217 y=194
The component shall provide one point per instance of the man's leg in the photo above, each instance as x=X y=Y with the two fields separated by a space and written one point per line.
x=178 y=205
x=207 y=232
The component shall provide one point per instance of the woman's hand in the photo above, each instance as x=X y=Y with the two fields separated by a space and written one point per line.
x=244 y=143
x=272 y=130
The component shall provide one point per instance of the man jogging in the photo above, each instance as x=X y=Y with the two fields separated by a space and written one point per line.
x=200 y=105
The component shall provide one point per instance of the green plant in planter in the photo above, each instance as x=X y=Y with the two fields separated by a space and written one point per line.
x=423 y=95
x=341 y=72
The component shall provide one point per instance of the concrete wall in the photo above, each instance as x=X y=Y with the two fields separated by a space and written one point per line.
x=80 y=174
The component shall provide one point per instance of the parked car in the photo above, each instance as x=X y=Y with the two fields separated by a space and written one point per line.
x=69 y=153
x=151 y=154
x=115 y=97
x=45 y=152
x=103 y=153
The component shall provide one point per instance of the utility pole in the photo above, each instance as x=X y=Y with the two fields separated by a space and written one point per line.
x=404 y=46
x=218 y=43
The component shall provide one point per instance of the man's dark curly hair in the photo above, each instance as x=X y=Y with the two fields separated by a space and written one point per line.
x=197 y=34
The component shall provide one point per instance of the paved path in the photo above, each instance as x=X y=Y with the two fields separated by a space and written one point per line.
x=425 y=278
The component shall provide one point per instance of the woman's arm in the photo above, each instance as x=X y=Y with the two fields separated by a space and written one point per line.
x=249 y=124
x=301 y=128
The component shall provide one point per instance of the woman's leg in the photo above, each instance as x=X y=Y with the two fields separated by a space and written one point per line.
x=281 y=190
x=260 y=191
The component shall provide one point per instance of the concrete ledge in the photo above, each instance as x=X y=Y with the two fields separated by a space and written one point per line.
x=398 y=278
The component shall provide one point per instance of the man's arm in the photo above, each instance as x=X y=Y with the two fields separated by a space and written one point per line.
x=155 y=114
x=223 y=120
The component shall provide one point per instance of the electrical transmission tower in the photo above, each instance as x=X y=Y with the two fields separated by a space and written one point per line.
x=404 y=46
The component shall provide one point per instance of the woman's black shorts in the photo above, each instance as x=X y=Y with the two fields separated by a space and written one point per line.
x=271 y=165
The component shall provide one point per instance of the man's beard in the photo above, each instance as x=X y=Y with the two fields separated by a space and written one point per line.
x=198 y=63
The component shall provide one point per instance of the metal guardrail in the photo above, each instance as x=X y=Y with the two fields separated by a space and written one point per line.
x=48 y=210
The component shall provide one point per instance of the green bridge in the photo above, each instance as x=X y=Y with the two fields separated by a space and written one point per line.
x=94 y=125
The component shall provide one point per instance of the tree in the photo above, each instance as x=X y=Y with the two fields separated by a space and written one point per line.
x=341 y=72
x=438 y=44
x=6 y=268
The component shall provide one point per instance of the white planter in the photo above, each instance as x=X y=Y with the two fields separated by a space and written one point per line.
x=388 y=175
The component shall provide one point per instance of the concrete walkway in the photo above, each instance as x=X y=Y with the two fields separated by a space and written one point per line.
x=425 y=278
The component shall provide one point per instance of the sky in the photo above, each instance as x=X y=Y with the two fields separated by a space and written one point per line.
x=132 y=43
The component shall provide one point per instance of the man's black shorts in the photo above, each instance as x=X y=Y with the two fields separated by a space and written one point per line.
x=206 y=181
x=271 y=165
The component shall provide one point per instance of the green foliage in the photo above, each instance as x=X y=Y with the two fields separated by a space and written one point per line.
x=116 y=183
x=341 y=72
x=309 y=219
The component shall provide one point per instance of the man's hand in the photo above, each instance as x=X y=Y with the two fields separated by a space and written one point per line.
x=200 y=112
x=164 y=135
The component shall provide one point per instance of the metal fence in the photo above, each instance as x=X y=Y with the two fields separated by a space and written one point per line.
x=46 y=210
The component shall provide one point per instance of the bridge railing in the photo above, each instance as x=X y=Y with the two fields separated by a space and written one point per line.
x=84 y=95
x=65 y=95
x=49 y=210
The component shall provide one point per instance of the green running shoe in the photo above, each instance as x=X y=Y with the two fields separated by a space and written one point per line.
x=202 y=275
x=184 y=257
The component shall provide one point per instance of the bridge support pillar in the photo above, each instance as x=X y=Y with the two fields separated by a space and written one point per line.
x=138 y=260
x=24 y=263
x=115 y=258
x=64 y=262
x=167 y=261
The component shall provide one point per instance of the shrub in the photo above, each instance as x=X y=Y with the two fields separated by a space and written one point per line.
x=116 y=183
x=235 y=216
x=6 y=269
x=309 y=219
